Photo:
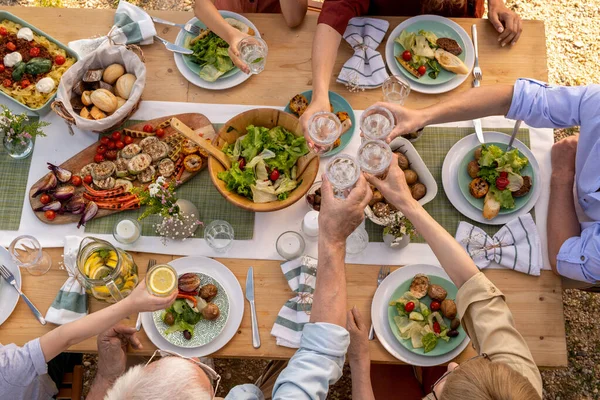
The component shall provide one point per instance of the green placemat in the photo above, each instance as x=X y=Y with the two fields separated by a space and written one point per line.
x=433 y=146
x=200 y=191
x=14 y=187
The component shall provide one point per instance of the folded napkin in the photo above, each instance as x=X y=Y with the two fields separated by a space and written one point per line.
x=301 y=275
x=70 y=303
x=365 y=69
x=132 y=25
x=516 y=245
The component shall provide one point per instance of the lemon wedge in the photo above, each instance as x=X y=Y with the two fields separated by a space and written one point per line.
x=162 y=280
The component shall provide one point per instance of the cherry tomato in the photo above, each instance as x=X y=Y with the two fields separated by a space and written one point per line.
x=111 y=144
x=111 y=155
x=407 y=56
x=119 y=144
x=88 y=179
x=437 y=328
x=3 y=31
x=274 y=175
x=422 y=69
x=59 y=60
x=50 y=215
x=127 y=139
x=242 y=163
x=11 y=46
x=148 y=128
x=7 y=83
x=98 y=158
x=503 y=174
x=435 y=305
x=45 y=199
x=24 y=83
x=76 y=180
x=501 y=183
x=116 y=135
x=34 y=51
x=160 y=132
x=2 y=67
x=101 y=149
x=104 y=140
x=409 y=307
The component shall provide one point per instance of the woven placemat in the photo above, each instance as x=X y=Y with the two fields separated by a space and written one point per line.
x=433 y=146
x=200 y=191
x=14 y=187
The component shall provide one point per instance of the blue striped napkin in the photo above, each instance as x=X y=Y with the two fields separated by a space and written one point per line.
x=366 y=68
x=70 y=303
x=301 y=275
x=515 y=246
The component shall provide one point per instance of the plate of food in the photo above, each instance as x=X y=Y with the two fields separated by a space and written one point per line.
x=33 y=63
x=210 y=66
x=433 y=52
x=339 y=106
x=229 y=298
x=9 y=297
x=383 y=313
x=422 y=315
x=480 y=198
x=198 y=315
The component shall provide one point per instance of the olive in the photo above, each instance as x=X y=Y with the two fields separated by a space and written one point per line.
x=453 y=333
x=317 y=198
x=188 y=335
x=311 y=198
x=455 y=324
x=169 y=319
x=317 y=207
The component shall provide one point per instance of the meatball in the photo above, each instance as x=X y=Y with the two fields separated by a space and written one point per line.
x=418 y=191
x=478 y=188
x=419 y=285
x=381 y=209
x=477 y=153
x=524 y=189
x=436 y=292
x=211 y=311
x=189 y=282
x=473 y=169
x=411 y=177
x=377 y=197
x=448 y=309
x=402 y=161
x=208 y=292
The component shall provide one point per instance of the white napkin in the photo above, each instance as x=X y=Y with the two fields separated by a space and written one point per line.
x=515 y=246
x=301 y=275
x=70 y=303
x=366 y=68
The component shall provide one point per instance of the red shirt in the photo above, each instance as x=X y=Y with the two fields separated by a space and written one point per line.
x=337 y=13
x=249 y=6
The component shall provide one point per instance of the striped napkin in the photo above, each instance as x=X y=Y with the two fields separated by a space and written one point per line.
x=515 y=246
x=365 y=69
x=70 y=303
x=301 y=275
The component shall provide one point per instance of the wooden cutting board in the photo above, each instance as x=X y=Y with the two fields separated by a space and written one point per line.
x=196 y=122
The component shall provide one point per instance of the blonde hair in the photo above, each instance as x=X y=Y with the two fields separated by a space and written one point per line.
x=442 y=6
x=485 y=380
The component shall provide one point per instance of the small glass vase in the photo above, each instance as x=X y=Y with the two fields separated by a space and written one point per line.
x=396 y=243
x=18 y=148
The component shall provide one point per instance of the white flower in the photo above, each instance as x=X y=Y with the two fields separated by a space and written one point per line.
x=153 y=189
x=160 y=180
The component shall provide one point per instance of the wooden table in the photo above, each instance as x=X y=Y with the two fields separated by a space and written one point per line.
x=536 y=303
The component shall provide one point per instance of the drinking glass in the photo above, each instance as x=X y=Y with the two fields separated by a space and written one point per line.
x=253 y=51
x=357 y=241
x=324 y=128
x=374 y=157
x=27 y=253
x=219 y=235
x=127 y=231
x=290 y=245
x=377 y=122
x=342 y=171
x=395 y=90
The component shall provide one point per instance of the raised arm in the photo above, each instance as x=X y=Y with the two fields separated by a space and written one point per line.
x=293 y=11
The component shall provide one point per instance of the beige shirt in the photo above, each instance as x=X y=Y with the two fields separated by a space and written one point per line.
x=494 y=333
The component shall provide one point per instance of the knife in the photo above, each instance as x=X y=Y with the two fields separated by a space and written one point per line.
x=250 y=298
x=173 y=47
x=514 y=134
x=477 y=122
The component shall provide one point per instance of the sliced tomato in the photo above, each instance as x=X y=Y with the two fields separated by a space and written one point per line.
x=24 y=83
x=502 y=183
x=3 y=31
x=34 y=51
x=2 y=67
x=7 y=83
x=11 y=46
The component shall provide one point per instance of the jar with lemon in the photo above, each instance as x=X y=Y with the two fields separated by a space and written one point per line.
x=108 y=273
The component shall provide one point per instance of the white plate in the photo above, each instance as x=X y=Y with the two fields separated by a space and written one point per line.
x=379 y=316
x=450 y=177
x=236 y=306
x=219 y=84
x=431 y=89
x=8 y=295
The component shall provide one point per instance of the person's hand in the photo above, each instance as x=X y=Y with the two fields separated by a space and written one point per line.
x=359 y=337
x=338 y=218
x=234 y=54
x=563 y=155
x=394 y=187
x=141 y=300
x=112 y=350
x=407 y=120
x=507 y=22
x=316 y=105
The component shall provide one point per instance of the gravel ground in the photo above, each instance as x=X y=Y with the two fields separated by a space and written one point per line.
x=573 y=59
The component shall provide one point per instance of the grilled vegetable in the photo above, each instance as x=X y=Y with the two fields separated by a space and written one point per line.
x=64 y=192
x=91 y=209
x=49 y=182
x=62 y=174
x=54 y=206
x=75 y=205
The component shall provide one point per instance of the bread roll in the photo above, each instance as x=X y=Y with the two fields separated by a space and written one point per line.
x=491 y=206
x=450 y=62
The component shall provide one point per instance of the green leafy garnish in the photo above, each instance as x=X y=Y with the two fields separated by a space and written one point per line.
x=429 y=342
x=259 y=59
x=512 y=160
x=211 y=53
x=504 y=197
x=489 y=154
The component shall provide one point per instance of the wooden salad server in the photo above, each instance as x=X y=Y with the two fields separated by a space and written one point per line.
x=214 y=151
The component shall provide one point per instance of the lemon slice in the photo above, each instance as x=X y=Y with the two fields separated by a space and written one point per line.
x=162 y=281
x=101 y=272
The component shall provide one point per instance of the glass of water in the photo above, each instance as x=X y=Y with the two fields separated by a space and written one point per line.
x=377 y=122
x=324 y=128
x=27 y=253
x=357 y=241
x=343 y=172
x=219 y=235
x=374 y=157
x=253 y=51
x=395 y=90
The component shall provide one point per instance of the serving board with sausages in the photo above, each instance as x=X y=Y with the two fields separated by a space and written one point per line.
x=197 y=122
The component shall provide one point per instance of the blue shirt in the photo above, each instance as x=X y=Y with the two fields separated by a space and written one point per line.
x=545 y=106
x=317 y=364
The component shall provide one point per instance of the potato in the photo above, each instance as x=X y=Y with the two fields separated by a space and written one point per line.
x=112 y=73
x=411 y=177
x=419 y=285
x=436 y=292
x=477 y=153
x=381 y=209
x=403 y=162
x=124 y=85
x=418 y=191
x=473 y=169
x=104 y=100
x=448 y=309
x=377 y=197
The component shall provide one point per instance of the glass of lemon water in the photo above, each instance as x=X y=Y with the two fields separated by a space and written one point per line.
x=161 y=280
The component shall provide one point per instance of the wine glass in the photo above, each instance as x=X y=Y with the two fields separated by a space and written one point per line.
x=377 y=122
x=27 y=253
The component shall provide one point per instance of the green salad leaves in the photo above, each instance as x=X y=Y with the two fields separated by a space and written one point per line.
x=211 y=53
x=185 y=318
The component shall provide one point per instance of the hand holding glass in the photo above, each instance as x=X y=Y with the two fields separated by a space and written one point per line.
x=253 y=51
x=374 y=157
x=377 y=122
x=324 y=128
x=343 y=173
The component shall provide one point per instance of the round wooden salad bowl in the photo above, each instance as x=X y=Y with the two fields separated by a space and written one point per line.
x=236 y=127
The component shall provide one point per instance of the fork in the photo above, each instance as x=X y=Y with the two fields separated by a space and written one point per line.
x=138 y=323
x=476 y=69
x=10 y=278
x=383 y=273
x=189 y=28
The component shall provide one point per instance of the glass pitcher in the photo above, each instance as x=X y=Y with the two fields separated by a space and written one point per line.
x=106 y=272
